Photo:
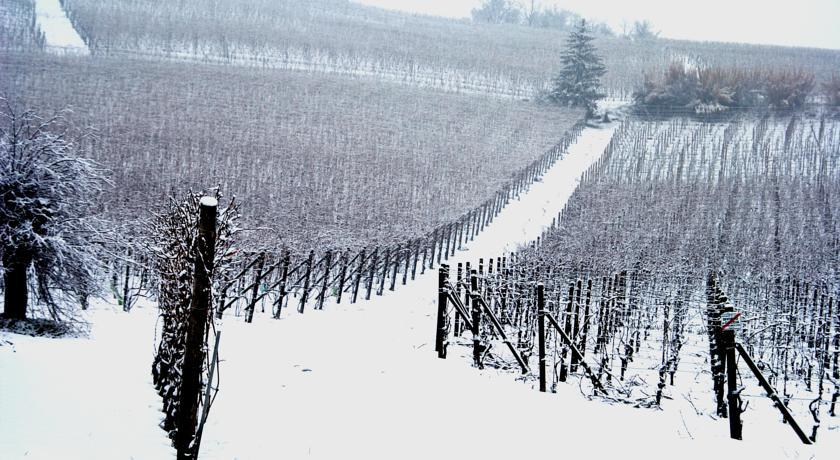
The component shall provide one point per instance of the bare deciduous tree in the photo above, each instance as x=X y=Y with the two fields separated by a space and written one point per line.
x=47 y=201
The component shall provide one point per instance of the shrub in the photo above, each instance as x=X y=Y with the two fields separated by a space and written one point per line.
x=831 y=90
x=684 y=86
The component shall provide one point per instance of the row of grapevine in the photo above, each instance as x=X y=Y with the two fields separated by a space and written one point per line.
x=751 y=199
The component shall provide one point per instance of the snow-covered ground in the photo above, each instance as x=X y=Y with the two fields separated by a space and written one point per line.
x=60 y=36
x=352 y=381
x=83 y=398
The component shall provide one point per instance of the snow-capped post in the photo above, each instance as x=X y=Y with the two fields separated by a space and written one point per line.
x=199 y=309
x=541 y=332
x=443 y=295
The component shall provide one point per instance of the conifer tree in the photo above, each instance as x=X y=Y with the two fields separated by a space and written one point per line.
x=579 y=82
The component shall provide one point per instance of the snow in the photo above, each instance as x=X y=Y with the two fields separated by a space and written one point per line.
x=60 y=36
x=83 y=398
x=357 y=381
x=209 y=201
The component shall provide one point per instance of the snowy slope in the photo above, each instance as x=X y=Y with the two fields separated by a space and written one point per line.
x=60 y=36
x=352 y=381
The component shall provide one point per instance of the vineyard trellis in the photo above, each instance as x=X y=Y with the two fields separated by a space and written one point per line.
x=623 y=272
x=282 y=277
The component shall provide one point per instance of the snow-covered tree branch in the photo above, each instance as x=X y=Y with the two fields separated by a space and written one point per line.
x=48 y=222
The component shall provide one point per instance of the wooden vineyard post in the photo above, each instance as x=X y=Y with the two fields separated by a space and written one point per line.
x=576 y=325
x=371 y=273
x=342 y=276
x=359 y=272
x=306 y=281
x=433 y=247
x=416 y=256
x=208 y=389
x=459 y=276
x=396 y=268
x=423 y=265
x=385 y=264
x=476 y=320
x=255 y=289
x=443 y=237
x=443 y=295
x=715 y=300
x=727 y=335
x=541 y=332
x=407 y=252
x=199 y=309
x=564 y=368
x=283 y=280
x=771 y=393
x=325 y=283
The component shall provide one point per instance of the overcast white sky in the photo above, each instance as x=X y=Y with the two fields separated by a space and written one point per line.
x=813 y=23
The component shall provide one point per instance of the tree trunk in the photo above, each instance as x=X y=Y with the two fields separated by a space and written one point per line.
x=16 y=294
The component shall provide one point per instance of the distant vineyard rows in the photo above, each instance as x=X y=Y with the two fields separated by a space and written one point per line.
x=313 y=159
x=347 y=38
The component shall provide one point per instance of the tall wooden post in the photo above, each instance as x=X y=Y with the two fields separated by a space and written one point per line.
x=476 y=320
x=541 y=332
x=342 y=275
x=325 y=283
x=443 y=294
x=727 y=337
x=284 y=277
x=306 y=280
x=199 y=310
x=359 y=274
x=459 y=276
x=385 y=264
x=255 y=290
x=372 y=273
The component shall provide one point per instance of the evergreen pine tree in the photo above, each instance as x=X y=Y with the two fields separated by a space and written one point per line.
x=579 y=82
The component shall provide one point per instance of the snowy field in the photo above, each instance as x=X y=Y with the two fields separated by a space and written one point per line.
x=354 y=381
x=60 y=36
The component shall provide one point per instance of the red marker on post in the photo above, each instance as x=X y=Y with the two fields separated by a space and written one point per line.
x=731 y=320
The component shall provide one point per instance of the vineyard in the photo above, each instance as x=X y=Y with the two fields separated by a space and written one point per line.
x=341 y=37
x=678 y=220
x=315 y=160
x=267 y=161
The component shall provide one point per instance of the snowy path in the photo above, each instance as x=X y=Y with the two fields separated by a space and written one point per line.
x=353 y=381
x=58 y=31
